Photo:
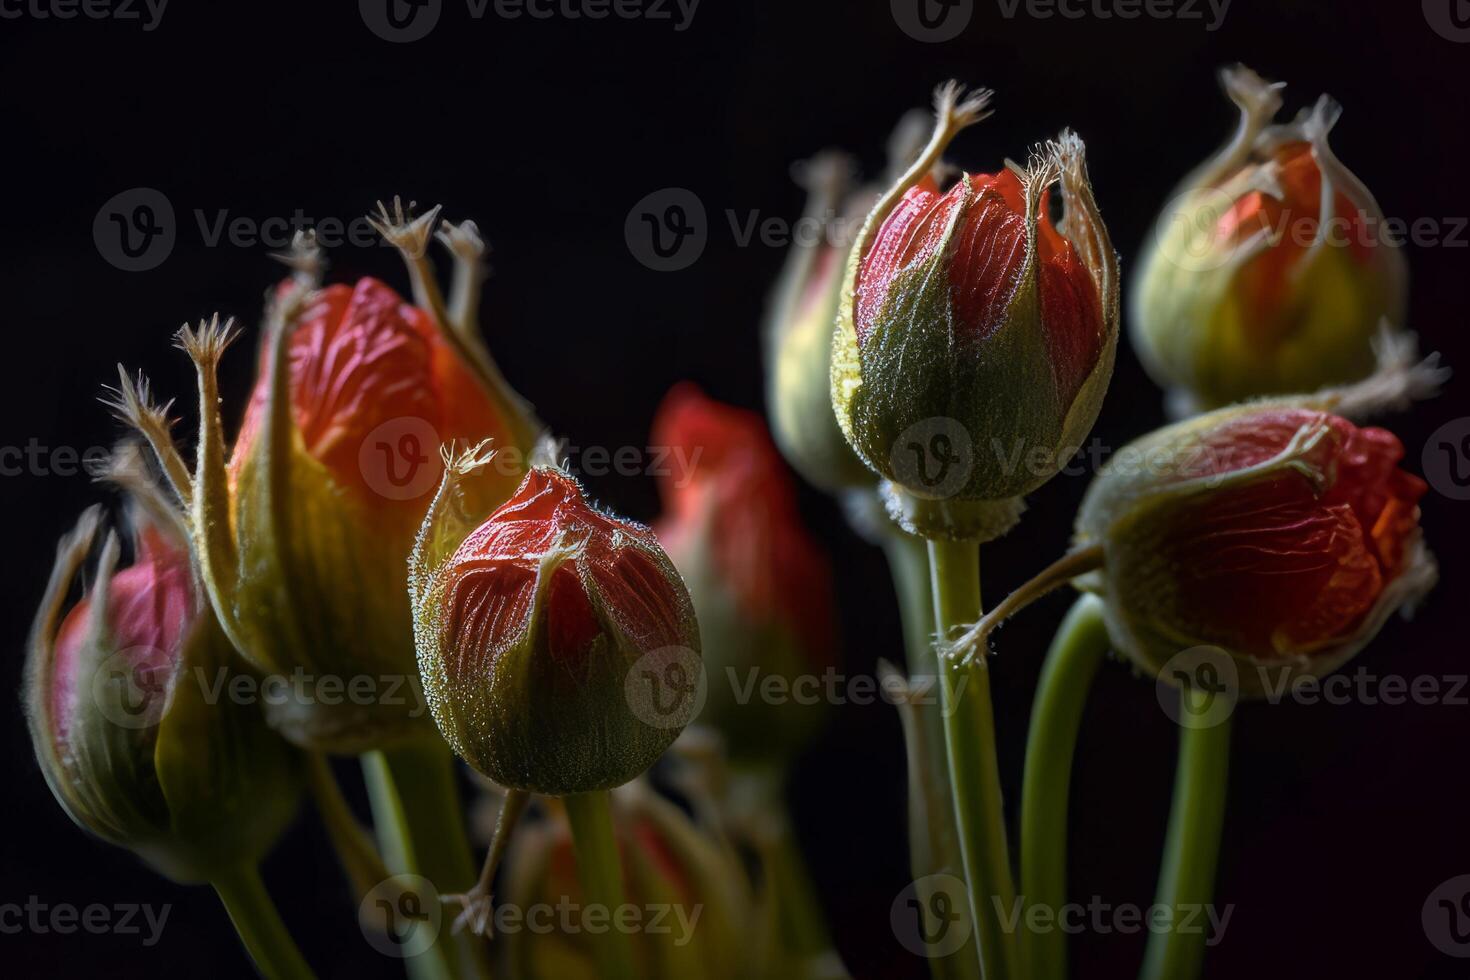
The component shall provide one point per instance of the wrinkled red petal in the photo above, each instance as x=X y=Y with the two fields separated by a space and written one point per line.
x=493 y=579
x=985 y=270
x=360 y=358
x=1272 y=565
x=1267 y=569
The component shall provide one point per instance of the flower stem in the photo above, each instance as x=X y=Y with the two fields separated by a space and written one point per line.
x=934 y=846
x=356 y=852
x=600 y=869
x=1191 y=847
x=259 y=924
x=1076 y=652
x=417 y=810
x=974 y=770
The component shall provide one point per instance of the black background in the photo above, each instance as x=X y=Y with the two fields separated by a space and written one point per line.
x=1343 y=817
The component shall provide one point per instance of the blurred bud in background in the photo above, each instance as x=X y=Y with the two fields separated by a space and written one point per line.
x=690 y=911
x=760 y=583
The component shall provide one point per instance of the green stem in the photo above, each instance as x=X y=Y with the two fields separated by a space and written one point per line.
x=1080 y=645
x=259 y=925
x=356 y=852
x=600 y=869
x=1192 y=846
x=974 y=769
x=416 y=808
x=934 y=846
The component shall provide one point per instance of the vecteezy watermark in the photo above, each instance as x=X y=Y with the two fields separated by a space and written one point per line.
x=1106 y=918
x=401 y=916
x=97 y=919
x=1200 y=687
x=932 y=21
x=931 y=917
x=570 y=918
x=147 y=13
x=1182 y=10
x=1450 y=19
x=301 y=687
x=136 y=229
x=37 y=459
x=667 y=230
x=666 y=687
x=1198 y=234
x=400 y=460
x=752 y=684
x=131 y=688
x=933 y=458
x=1446 y=459
x=402 y=21
x=1446 y=917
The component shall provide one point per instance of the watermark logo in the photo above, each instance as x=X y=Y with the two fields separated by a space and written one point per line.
x=403 y=21
x=1446 y=917
x=130 y=687
x=931 y=917
x=64 y=919
x=1446 y=459
x=148 y=13
x=667 y=687
x=400 y=21
x=933 y=458
x=1199 y=687
x=135 y=230
x=401 y=916
x=1181 y=10
x=1450 y=19
x=667 y=230
x=1106 y=918
x=932 y=21
x=400 y=460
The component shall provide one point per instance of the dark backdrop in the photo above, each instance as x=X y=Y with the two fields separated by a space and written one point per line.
x=1343 y=817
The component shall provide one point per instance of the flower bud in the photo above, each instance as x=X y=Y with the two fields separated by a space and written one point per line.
x=974 y=332
x=760 y=584
x=1276 y=531
x=1271 y=268
x=799 y=340
x=671 y=870
x=127 y=721
x=557 y=645
x=306 y=532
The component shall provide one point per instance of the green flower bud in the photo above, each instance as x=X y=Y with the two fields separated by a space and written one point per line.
x=1271 y=269
x=122 y=696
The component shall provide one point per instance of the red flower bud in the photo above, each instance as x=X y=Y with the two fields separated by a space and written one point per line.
x=133 y=744
x=761 y=585
x=974 y=331
x=535 y=631
x=332 y=473
x=1281 y=533
x=984 y=260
